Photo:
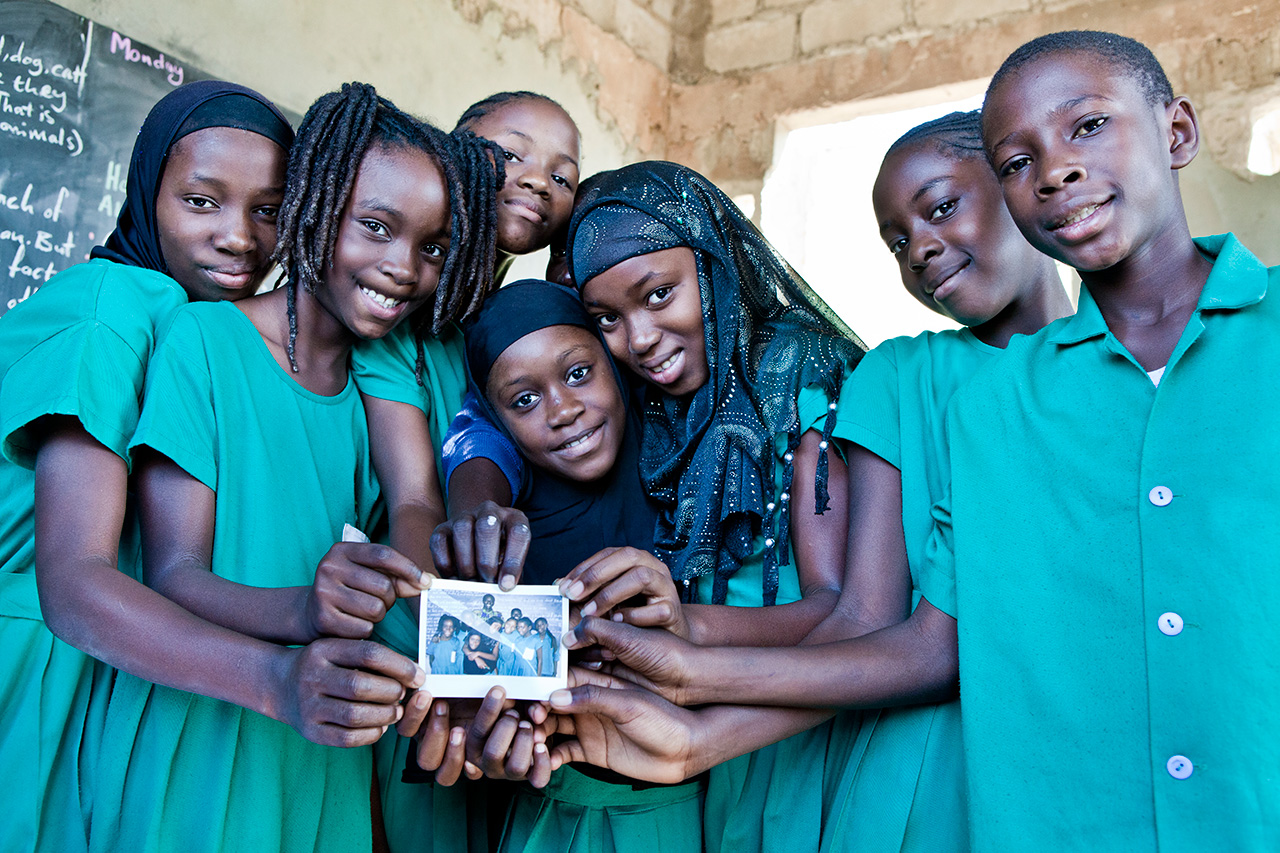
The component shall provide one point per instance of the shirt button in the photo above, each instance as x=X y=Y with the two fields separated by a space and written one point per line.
x=1160 y=496
x=1170 y=624
x=1179 y=767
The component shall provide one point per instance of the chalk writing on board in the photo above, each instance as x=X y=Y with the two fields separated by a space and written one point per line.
x=72 y=97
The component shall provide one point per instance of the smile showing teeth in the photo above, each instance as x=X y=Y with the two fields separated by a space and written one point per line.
x=1081 y=214
x=661 y=367
x=569 y=445
x=384 y=301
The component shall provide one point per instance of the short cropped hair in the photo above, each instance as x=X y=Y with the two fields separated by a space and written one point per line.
x=1129 y=56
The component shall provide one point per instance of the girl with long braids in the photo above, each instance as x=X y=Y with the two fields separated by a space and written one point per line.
x=253 y=453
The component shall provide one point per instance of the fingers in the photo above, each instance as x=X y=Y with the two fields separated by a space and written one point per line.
x=488 y=543
x=518 y=537
x=451 y=766
x=617 y=637
x=433 y=738
x=415 y=712
x=368 y=670
x=451 y=546
x=540 y=774
x=482 y=724
x=405 y=576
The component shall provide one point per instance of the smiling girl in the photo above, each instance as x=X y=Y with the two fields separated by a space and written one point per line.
x=253 y=454
x=199 y=223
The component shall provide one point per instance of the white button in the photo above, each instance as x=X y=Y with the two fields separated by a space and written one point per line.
x=1179 y=767
x=1170 y=624
x=1160 y=496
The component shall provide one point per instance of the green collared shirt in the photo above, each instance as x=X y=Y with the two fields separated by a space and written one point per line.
x=1111 y=550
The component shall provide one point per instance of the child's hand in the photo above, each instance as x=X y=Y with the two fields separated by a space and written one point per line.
x=343 y=692
x=356 y=583
x=605 y=582
x=622 y=727
x=440 y=736
x=656 y=660
x=488 y=543
x=503 y=745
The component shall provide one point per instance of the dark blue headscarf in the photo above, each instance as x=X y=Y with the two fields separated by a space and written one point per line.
x=195 y=106
x=708 y=459
x=570 y=521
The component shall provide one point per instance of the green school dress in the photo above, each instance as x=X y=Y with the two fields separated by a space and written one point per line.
x=1111 y=560
x=900 y=784
x=290 y=468
x=420 y=817
x=772 y=799
x=78 y=347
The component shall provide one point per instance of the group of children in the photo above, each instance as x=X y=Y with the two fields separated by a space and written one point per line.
x=484 y=643
x=759 y=525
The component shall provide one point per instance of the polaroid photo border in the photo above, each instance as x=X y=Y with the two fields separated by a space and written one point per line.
x=464 y=602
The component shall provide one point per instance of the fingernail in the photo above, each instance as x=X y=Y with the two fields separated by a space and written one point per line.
x=561 y=698
x=575 y=589
x=506 y=583
x=524 y=724
x=421 y=700
x=419 y=676
x=617 y=617
x=441 y=709
x=540 y=747
x=489 y=520
x=399 y=713
x=589 y=608
x=455 y=736
x=569 y=639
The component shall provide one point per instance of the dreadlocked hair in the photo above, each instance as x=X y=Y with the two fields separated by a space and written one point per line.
x=480 y=109
x=336 y=133
x=957 y=135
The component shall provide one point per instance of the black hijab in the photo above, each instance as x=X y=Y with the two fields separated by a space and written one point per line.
x=570 y=520
x=708 y=459
x=195 y=106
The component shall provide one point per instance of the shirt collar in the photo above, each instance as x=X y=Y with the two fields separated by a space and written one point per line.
x=1237 y=279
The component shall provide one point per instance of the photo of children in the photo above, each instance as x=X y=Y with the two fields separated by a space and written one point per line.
x=473 y=636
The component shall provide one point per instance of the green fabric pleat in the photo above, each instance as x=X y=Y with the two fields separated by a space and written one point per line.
x=576 y=813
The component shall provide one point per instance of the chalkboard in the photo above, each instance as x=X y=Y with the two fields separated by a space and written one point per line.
x=72 y=97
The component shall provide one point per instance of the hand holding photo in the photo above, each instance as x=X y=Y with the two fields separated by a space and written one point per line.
x=472 y=636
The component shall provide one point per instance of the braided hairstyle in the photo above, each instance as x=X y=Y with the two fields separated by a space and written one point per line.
x=957 y=135
x=332 y=140
x=480 y=109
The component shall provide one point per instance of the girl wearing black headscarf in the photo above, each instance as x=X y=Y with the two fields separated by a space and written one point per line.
x=542 y=375
x=72 y=360
x=744 y=366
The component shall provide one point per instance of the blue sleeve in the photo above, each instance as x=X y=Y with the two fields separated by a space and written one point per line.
x=472 y=435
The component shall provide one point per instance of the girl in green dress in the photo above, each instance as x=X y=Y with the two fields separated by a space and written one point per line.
x=253 y=455
x=198 y=222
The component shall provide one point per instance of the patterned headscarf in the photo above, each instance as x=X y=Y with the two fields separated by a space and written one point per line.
x=708 y=459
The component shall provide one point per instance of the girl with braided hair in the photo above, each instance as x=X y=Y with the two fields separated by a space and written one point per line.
x=253 y=453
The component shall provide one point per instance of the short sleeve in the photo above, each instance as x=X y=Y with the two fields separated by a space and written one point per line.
x=87 y=371
x=79 y=347
x=869 y=405
x=472 y=436
x=938 y=574
x=177 y=414
x=385 y=368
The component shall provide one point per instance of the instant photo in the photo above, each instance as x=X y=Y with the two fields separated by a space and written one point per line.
x=472 y=636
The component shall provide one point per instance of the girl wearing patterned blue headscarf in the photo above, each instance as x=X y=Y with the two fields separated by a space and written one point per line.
x=744 y=364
